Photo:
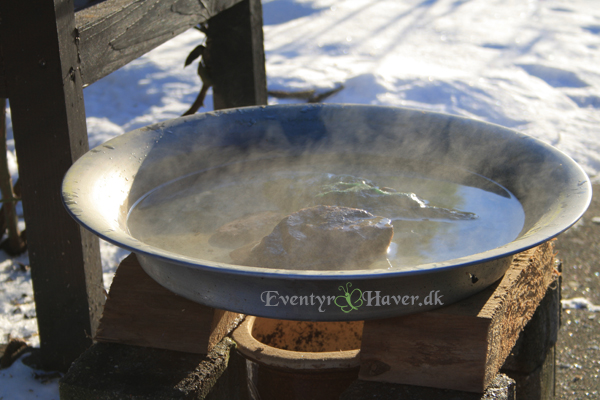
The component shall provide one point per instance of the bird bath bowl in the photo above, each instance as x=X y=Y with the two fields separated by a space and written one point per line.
x=162 y=191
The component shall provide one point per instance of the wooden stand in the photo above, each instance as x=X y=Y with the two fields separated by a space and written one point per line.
x=156 y=345
x=48 y=53
x=462 y=346
x=141 y=312
x=109 y=371
x=451 y=353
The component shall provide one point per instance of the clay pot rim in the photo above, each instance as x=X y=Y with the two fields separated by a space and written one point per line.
x=287 y=359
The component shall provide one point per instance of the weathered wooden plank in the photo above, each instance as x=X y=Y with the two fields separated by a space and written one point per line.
x=539 y=336
x=46 y=100
x=108 y=371
x=538 y=384
x=140 y=312
x=502 y=388
x=236 y=58
x=462 y=346
x=531 y=362
x=114 y=32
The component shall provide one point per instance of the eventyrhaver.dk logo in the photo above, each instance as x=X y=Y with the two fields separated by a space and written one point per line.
x=350 y=299
x=347 y=302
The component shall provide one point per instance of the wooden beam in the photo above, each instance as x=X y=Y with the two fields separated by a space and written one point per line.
x=140 y=312
x=46 y=100
x=114 y=32
x=48 y=55
x=236 y=57
x=109 y=371
x=461 y=346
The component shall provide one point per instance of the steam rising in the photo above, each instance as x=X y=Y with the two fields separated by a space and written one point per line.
x=242 y=161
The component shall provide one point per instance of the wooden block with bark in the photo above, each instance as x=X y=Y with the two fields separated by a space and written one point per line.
x=140 y=312
x=461 y=346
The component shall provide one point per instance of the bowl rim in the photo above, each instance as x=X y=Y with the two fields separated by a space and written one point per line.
x=130 y=243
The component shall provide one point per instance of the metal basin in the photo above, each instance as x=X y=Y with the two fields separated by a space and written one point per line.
x=102 y=188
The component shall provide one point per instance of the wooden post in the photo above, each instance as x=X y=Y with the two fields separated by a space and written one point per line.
x=44 y=48
x=237 y=58
x=46 y=99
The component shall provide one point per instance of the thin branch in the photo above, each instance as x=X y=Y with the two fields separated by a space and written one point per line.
x=310 y=95
x=299 y=94
x=319 y=98
x=199 y=102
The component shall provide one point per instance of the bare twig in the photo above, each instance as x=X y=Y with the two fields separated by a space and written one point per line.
x=299 y=94
x=311 y=95
x=320 y=97
x=199 y=102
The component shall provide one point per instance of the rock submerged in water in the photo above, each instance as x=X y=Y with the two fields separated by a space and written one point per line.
x=244 y=230
x=356 y=192
x=323 y=238
x=385 y=201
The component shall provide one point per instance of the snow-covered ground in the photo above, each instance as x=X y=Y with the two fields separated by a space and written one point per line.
x=530 y=65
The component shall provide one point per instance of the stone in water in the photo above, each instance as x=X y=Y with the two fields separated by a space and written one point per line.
x=324 y=238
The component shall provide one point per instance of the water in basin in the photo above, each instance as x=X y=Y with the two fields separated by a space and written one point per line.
x=182 y=215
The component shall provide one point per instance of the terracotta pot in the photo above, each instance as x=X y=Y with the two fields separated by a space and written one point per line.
x=301 y=360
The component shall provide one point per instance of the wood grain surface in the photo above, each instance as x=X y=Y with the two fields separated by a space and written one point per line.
x=141 y=312
x=461 y=346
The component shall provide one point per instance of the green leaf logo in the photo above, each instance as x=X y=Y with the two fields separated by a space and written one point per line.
x=350 y=300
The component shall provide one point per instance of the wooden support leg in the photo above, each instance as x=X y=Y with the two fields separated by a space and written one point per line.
x=140 y=312
x=527 y=373
x=532 y=361
x=233 y=383
x=237 y=57
x=461 y=346
x=108 y=371
x=160 y=346
x=46 y=99
x=501 y=388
